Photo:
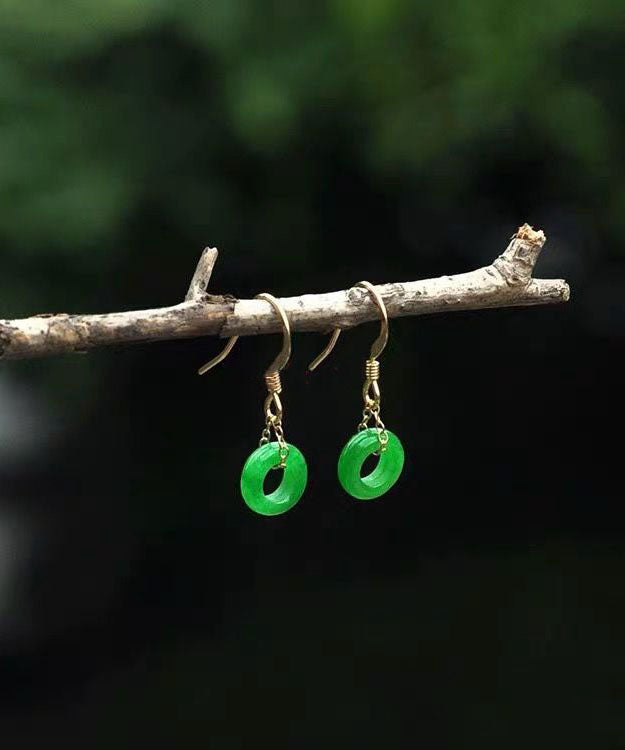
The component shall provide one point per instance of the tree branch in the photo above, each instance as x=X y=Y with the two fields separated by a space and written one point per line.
x=507 y=282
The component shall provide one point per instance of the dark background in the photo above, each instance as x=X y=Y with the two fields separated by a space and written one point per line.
x=479 y=603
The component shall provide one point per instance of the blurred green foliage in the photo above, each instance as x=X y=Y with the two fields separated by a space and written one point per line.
x=301 y=137
x=111 y=109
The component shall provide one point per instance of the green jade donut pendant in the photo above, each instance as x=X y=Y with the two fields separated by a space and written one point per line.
x=385 y=474
x=291 y=488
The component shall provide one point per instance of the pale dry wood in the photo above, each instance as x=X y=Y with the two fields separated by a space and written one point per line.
x=202 y=275
x=507 y=282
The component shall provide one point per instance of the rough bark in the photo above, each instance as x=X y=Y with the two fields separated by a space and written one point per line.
x=507 y=282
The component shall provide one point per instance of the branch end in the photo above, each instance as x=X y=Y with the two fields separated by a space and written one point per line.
x=517 y=262
x=528 y=234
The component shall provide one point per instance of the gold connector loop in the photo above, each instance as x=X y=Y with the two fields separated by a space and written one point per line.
x=273 y=399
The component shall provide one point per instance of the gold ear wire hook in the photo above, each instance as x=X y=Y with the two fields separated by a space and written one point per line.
x=273 y=416
x=330 y=345
x=285 y=353
x=220 y=357
x=378 y=345
x=282 y=358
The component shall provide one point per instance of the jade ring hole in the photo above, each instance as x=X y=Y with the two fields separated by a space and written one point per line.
x=273 y=479
x=370 y=464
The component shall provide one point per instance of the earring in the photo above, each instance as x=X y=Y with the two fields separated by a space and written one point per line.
x=369 y=440
x=277 y=454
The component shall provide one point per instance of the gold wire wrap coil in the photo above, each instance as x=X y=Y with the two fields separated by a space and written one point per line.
x=372 y=369
x=273 y=382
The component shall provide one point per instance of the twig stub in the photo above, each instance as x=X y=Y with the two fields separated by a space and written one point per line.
x=202 y=275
